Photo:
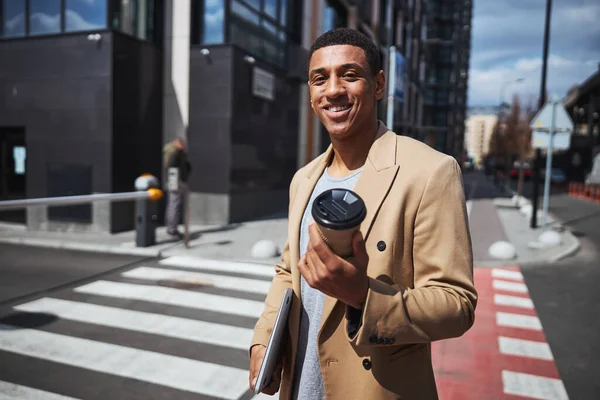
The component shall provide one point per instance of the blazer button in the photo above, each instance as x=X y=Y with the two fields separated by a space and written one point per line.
x=381 y=245
x=367 y=364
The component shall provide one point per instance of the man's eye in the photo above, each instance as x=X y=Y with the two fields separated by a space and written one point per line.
x=319 y=79
x=350 y=75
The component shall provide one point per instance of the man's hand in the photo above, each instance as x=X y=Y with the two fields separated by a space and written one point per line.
x=257 y=353
x=346 y=280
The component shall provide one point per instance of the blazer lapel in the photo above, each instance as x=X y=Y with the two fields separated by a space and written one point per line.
x=373 y=185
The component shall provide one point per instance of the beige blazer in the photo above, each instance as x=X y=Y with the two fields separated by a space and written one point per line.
x=420 y=271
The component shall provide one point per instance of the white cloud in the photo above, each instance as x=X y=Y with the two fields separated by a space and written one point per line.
x=13 y=23
x=485 y=84
x=507 y=44
x=214 y=19
x=41 y=22
x=75 y=22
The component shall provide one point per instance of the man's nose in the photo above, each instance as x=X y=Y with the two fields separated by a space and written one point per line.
x=335 y=87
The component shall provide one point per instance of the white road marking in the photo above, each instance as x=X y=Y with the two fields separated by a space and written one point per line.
x=525 y=348
x=219 y=265
x=174 y=297
x=518 y=321
x=533 y=386
x=513 y=301
x=509 y=286
x=507 y=274
x=161 y=369
x=158 y=324
x=219 y=281
x=11 y=391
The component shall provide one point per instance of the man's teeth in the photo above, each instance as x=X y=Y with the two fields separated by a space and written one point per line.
x=339 y=108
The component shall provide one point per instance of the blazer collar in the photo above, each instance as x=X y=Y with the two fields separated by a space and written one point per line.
x=382 y=154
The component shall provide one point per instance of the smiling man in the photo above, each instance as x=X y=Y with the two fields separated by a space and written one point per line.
x=361 y=328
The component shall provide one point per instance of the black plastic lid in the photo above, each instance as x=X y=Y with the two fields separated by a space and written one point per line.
x=338 y=209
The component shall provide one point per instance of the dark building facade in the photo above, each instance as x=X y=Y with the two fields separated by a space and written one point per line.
x=447 y=52
x=84 y=109
x=94 y=90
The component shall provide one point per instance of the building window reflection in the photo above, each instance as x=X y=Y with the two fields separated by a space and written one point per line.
x=134 y=17
x=44 y=17
x=84 y=15
x=332 y=18
x=13 y=18
x=271 y=8
x=214 y=16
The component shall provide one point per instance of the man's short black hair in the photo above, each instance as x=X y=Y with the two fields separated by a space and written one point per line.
x=352 y=37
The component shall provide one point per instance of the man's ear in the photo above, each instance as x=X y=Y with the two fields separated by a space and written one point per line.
x=379 y=85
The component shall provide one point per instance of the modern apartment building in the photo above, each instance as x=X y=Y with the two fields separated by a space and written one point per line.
x=94 y=89
x=479 y=130
x=447 y=53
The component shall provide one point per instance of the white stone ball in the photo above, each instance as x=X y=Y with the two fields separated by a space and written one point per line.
x=502 y=250
x=265 y=249
x=550 y=238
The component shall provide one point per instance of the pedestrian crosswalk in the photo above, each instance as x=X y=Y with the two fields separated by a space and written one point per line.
x=176 y=328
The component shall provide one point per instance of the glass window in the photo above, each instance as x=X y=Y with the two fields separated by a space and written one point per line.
x=244 y=12
x=328 y=18
x=271 y=8
x=134 y=17
x=253 y=3
x=13 y=18
x=283 y=4
x=85 y=15
x=213 y=32
x=19 y=156
x=44 y=17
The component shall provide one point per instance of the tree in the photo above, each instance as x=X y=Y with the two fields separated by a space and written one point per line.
x=517 y=135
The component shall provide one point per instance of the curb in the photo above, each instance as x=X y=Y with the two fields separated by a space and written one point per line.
x=77 y=246
x=571 y=250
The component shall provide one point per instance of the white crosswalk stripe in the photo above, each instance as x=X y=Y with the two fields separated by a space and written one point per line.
x=220 y=281
x=218 y=265
x=513 y=301
x=533 y=386
x=11 y=391
x=509 y=286
x=174 y=297
x=142 y=309
x=181 y=328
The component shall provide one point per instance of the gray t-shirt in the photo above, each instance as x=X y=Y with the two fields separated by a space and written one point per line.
x=308 y=381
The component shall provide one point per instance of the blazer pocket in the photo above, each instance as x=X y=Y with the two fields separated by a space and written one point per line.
x=406 y=350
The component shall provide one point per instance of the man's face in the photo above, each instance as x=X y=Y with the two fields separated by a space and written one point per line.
x=343 y=90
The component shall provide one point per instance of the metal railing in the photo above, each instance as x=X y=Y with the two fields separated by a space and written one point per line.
x=150 y=194
x=146 y=197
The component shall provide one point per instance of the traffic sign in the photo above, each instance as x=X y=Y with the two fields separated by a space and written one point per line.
x=540 y=139
x=542 y=122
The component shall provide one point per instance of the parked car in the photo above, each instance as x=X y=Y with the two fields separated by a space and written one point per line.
x=557 y=176
x=514 y=172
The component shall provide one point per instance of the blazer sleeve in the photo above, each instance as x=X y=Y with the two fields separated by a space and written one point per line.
x=281 y=281
x=442 y=303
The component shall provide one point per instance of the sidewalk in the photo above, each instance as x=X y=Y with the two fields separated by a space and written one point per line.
x=491 y=221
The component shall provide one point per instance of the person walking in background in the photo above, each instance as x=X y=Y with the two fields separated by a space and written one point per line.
x=177 y=171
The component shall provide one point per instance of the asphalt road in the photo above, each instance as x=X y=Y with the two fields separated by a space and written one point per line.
x=567 y=299
x=26 y=271
x=95 y=326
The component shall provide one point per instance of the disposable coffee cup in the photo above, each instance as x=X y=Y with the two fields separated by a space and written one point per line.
x=338 y=214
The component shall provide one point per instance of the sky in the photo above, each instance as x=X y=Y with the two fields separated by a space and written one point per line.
x=507 y=44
